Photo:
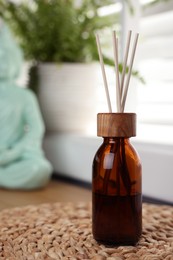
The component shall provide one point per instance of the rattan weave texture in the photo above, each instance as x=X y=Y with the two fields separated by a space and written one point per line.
x=63 y=231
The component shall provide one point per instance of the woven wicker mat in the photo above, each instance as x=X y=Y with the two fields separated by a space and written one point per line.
x=63 y=231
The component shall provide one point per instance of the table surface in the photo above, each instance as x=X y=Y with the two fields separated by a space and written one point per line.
x=56 y=191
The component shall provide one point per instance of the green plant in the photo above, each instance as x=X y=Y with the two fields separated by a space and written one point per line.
x=57 y=30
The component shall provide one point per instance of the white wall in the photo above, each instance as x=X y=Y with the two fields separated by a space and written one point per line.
x=157 y=163
x=72 y=156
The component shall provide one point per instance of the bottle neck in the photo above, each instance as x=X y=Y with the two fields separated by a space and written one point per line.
x=115 y=139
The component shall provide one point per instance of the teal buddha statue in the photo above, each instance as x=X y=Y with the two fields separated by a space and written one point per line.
x=22 y=161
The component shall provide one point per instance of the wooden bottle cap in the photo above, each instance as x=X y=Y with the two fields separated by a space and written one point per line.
x=116 y=124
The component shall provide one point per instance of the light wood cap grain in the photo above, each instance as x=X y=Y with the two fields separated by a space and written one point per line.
x=116 y=124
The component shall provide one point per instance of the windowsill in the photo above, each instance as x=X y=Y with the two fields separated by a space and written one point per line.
x=155 y=134
x=146 y=133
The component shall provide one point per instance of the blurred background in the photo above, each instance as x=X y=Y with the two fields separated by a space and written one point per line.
x=61 y=67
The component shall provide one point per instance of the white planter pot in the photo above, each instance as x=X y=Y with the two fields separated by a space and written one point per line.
x=68 y=95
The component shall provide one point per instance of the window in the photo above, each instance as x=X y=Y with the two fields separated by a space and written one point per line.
x=155 y=64
x=155 y=99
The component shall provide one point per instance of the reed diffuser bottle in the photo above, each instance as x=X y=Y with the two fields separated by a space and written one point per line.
x=116 y=183
x=116 y=178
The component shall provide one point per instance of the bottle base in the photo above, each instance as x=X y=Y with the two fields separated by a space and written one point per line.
x=112 y=243
x=117 y=220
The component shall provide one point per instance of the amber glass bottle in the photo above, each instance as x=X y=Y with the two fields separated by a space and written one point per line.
x=116 y=183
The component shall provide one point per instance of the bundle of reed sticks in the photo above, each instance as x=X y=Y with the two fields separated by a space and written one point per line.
x=122 y=83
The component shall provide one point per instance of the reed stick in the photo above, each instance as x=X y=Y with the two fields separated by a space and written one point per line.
x=115 y=48
x=125 y=63
x=103 y=73
x=129 y=72
x=121 y=90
